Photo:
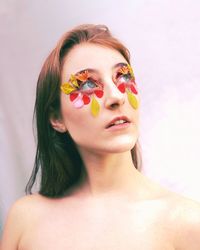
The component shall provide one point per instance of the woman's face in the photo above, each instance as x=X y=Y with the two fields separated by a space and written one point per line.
x=93 y=112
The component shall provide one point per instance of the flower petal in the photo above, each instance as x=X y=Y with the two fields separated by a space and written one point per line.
x=73 y=96
x=73 y=80
x=124 y=69
x=86 y=99
x=133 y=89
x=132 y=100
x=83 y=76
x=131 y=70
x=78 y=102
x=67 y=88
x=98 y=93
x=121 y=88
x=95 y=107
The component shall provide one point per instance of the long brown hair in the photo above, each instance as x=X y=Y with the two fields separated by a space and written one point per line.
x=57 y=158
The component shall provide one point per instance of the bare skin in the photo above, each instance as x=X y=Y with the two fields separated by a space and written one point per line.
x=113 y=207
x=149 y=218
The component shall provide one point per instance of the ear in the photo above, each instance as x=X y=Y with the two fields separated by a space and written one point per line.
x=58 y=125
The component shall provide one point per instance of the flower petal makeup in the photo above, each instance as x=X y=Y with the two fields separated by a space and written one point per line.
x=82 y=89
x=125 y=81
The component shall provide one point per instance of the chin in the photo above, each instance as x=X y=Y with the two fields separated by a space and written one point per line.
x=118 y=146
x=121 y=148
x=112 y=145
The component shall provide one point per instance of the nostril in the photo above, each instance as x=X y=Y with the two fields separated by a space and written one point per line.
x=114 y=105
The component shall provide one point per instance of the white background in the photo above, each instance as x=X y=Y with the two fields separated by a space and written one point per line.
x=164 y=39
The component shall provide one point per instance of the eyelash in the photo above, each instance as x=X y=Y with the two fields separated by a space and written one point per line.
x=120 y=75
x=95 y=82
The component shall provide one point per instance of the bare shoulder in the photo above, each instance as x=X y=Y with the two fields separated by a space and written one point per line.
x=21 y=213
x=185 y=218
x=186 y=210
x=22 y=207
x=182 y=216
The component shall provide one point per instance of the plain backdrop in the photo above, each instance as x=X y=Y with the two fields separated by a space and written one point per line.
x=164 y=39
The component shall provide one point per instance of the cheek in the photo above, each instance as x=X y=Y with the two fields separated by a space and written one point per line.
x=76 y=119
x=73 y=108
x=79 y=123
x=80 y=100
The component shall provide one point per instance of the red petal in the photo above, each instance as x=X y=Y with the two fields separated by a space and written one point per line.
x=86 y=99
x=73 y=96
x=121 y=88
x=133 y=89
x=98 y=93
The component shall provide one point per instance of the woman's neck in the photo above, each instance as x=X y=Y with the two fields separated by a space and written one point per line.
x=108 y=175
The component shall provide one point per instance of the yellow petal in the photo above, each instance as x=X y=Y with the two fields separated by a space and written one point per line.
x=132 y=100
x=73 y=80
x=95 y=107
x=131 y=70
x=67 y=88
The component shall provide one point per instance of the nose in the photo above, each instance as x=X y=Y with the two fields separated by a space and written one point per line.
x=114 y=98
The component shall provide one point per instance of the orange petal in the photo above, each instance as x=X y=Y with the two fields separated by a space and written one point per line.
x=83 y=76
x=124 y=70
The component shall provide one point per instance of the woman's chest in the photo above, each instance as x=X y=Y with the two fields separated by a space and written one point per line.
x=96 y=229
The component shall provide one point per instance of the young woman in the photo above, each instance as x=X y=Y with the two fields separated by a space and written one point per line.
x=92 y=195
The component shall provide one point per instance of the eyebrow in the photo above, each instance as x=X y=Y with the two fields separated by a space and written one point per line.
x=121 y=64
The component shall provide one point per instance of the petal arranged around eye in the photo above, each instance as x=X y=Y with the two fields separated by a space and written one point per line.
x=78 y=102
x=121 y=88
x=132 y=100
x=86 y=99
x=133 y=89
x=73 y=96
x=127 y=69
x=131 y=70
x=73 y=80
x=95 y=107
x=98 y=93
x=124 y=70
x=67 y=88
x=83 y=76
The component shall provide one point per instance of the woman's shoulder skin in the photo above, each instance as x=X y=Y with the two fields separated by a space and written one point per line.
x=21 y=213
x=183 y=216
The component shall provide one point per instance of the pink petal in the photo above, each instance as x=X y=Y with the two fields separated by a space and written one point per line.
x=78 y=102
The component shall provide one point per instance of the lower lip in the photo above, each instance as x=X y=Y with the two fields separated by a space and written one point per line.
x=119 y=126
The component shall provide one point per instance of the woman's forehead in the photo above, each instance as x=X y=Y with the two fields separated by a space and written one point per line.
x=91 y=56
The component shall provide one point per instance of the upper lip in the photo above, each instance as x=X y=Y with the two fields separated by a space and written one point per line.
x=117 y=118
